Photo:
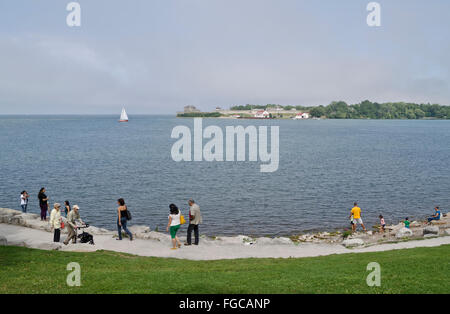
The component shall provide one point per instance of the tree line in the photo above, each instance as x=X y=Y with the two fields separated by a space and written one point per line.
x=367 y=110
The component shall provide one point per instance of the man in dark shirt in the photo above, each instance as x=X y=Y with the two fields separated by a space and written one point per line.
x=43 y=203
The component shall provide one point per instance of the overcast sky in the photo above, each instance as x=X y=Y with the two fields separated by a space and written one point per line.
x=156 y=56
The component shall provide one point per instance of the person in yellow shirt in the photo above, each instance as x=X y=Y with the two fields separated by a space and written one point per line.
x=356 y=213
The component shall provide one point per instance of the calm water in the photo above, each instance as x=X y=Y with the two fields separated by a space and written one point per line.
x=397 y=168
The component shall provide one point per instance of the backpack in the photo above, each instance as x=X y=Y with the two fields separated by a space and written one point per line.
x=128 y=214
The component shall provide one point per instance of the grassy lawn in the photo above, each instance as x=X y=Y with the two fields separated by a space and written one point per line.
x=420 y=270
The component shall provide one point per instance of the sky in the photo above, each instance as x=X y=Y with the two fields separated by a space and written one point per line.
x=156 y=56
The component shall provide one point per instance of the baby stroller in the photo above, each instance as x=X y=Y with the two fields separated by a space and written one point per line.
x=85 y=237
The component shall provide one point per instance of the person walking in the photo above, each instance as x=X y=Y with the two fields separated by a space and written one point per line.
x=55 y=222
x=43 y=203
x=24 y=201
x=67 y=208
x=72 y=217
x=122 y=219
x=195 y=218
x=174 y=225
x=356 y=213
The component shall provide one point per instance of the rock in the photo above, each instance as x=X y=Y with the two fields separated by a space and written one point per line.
x=396 y=227
x=404 y=232
x=438 y=222
x=415 y=224
x=430 y=235
x=431 y=230
x=282 y=240
x=3 y=241
x=4 y=219
x=48 y=246
x=139 y=229
x=16 y=220
x=353 y=242
x=370 y=232
x=9 y=212
x=264 y=241
x=447 y=231
x=37 y=224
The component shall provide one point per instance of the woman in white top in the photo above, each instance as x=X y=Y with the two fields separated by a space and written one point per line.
x=174 y=224
x=24 y=201
x=55 y=221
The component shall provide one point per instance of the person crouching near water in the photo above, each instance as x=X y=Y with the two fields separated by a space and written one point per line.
x=173 y=225
x=122 y=219
x=436 y=216
x=72 y=217
x=55 y=222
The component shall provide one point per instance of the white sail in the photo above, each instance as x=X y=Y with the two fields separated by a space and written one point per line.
x=123 y=115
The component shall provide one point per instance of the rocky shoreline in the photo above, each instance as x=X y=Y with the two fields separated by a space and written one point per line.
x=17 y=228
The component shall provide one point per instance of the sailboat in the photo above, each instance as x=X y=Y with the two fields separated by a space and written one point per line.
x=123 y=116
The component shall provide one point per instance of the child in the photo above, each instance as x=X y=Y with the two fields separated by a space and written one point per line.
x=382 y=223
x=406 y=222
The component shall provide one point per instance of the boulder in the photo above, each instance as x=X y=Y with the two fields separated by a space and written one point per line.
x=282 y=240
x=47 y=246
x=431 y=230
x=353 y=242
x=438 y=222
x=9 y=212
x=404 y=232
x=4 y=218
x=3 y=241
x=37 y=224
x=396 y=227
x=16 y=220
x=139 y=229
x=430 y=235
x=264 y=241
x=447 y=231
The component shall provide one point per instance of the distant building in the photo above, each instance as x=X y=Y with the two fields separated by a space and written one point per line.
x=262 y=114
x=190 y=109
x=301 y=115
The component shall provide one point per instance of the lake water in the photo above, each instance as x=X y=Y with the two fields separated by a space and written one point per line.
x=397 y=168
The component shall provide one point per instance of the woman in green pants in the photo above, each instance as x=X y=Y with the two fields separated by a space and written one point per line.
x=173 y=225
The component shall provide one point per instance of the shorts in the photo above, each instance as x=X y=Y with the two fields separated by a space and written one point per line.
x=173 y=230
x=357 y=220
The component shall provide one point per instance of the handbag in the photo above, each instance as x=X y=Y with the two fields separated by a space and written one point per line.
x=128 y=214
x=182 y=220
x=62 y=225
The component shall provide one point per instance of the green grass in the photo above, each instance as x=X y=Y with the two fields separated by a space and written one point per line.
x=419 y=270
